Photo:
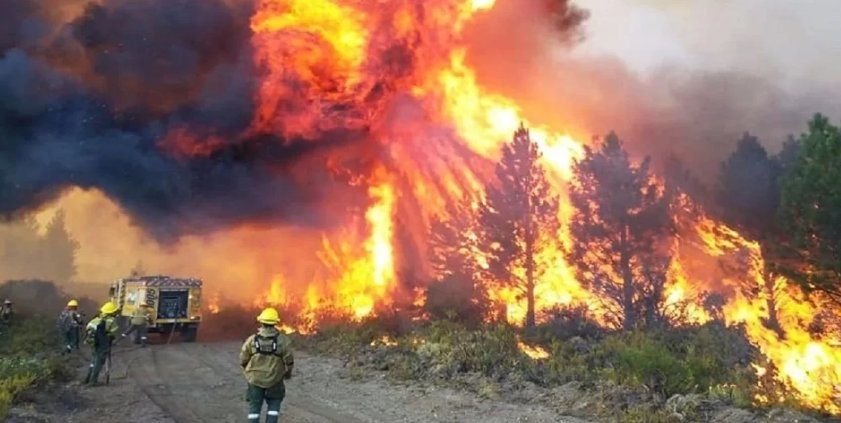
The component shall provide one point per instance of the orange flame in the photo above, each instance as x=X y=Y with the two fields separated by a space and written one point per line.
x=809 y=367
x=325 y=47
x=534 y=351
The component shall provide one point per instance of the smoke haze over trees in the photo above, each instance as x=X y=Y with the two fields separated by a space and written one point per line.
x=27 y=254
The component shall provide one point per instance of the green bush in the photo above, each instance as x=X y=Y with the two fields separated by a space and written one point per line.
x=10 y=387
x=710 y=360
x=677 y=361
x=29 y=355
x=653 y=366
x=492 y=352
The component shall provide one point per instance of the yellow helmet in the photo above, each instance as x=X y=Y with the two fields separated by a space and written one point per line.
x=268 y=316
x=72 y=303
x=108 y=308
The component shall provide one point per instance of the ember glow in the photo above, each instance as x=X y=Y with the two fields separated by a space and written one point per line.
x=534 y=351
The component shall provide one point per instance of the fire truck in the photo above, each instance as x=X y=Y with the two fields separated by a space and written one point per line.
x=175 y=303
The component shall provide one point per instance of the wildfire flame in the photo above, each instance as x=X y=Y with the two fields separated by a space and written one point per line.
x=384 y=340
x=338 y=63
x=534 y=351
x=808 y=366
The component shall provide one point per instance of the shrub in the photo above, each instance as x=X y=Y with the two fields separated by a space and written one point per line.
x=710 y=360
x=567 y=323
x=29 y=355
x=10 y=387
x=680 y=361
x=653 y=366
x=456 y=298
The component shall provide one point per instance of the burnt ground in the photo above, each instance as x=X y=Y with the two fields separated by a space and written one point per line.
x=202 y=382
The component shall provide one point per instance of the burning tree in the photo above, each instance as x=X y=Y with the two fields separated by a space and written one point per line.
x=619 y=229
x=748 y=194
x=455 y=292
x=519 y=211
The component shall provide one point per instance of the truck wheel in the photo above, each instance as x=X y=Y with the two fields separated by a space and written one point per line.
x=189 y=333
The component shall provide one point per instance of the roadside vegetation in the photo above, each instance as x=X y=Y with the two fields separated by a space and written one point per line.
x=30 y=351
x=29 y=357
x=687 y=374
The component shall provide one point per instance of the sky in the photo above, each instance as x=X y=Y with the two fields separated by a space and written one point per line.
x=797 y=44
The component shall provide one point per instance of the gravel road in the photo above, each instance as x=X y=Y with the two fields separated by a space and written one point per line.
x=202 y=382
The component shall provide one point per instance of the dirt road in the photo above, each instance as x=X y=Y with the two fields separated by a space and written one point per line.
x=202 y=382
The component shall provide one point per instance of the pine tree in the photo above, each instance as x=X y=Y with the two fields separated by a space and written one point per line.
x=519 y=208
x=810 y=209
x=748 y=194
x=619 y=228
x=59 y=250
x=455 y=292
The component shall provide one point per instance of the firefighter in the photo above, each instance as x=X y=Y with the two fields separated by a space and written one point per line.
x=69 y=324
x=266 y=359
x=6 y=311
x=140 y=321
x=100 y=334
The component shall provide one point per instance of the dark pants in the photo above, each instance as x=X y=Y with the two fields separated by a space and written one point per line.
x=71 y=339
x=141 y=332
x=272 y=396
x=97 y=360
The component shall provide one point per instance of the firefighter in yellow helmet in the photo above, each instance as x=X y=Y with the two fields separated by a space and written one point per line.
x=70 y=324
x=266 y=359
x=100 y=334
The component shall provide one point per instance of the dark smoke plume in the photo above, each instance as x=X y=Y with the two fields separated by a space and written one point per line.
x=87 y=102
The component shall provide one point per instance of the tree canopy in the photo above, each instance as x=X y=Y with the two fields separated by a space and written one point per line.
x=747 y=187
x=810 y=209
x=620 y=223
x=519 y=209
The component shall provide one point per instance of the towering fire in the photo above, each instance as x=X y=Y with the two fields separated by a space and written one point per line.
x=397 y=71
x=366 y=114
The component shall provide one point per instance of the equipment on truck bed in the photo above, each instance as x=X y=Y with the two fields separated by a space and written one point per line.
x=175 y=303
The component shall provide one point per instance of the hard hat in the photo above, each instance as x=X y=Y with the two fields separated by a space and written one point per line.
x=108 y=308
x=72 y=303
x=7 y=301
x=268 y=316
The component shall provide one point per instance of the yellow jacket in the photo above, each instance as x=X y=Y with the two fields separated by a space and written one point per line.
x=141 y=316
x=269 y=367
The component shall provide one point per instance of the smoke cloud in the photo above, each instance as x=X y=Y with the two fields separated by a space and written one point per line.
x=696 y=113
x=150 y=102
x=89 y=102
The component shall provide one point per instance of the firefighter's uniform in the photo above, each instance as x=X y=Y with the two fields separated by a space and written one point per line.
x=140 y=320
x=69 y=325
x=100 y=334
x=6 y=312
x=266 y=358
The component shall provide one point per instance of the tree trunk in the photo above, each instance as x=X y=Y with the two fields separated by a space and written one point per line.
x=627 y=300
x=773 y=321
x=530 y=265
